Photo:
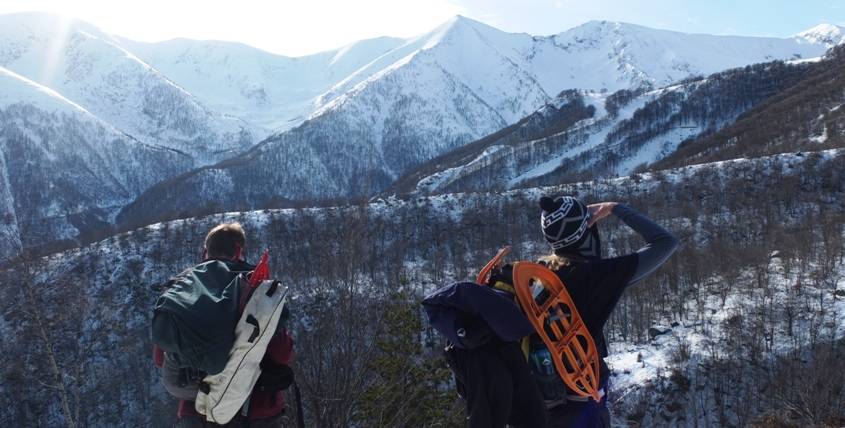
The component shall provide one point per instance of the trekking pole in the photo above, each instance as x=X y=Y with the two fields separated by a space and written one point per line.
x=300 y=418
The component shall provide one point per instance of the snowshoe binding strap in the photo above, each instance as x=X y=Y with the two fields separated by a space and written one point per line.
x=551 y=311
x=484 y=274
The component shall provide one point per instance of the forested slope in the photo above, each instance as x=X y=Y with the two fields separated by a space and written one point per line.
x=807 y=116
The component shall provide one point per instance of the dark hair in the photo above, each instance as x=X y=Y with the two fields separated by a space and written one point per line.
x=223 y=241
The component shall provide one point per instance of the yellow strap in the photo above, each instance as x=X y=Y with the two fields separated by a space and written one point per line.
x=526 y=343
x=504 y=286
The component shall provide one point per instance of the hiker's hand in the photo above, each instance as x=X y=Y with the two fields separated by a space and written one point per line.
x=599 y=211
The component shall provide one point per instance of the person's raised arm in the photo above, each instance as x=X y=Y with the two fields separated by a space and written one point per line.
x=660 y=243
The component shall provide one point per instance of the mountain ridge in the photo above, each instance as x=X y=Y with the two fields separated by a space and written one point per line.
x=400 y=94
x=632 y=141
x=375 y=110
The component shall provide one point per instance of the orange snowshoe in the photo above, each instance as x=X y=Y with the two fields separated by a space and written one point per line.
x=484 y=274
x=551 y=311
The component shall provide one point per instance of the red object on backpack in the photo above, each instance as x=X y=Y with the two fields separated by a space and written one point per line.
x=262 y=270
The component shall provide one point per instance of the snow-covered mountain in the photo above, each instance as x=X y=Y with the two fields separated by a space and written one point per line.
x=827 y=34
x=91 y=69
x=348 y=122
x=64 y=171
x=439 y=91
x=585 y=134
x=276 y=92
x=272 y=92
x=602 y=55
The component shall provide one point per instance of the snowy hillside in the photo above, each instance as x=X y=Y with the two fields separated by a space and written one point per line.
x=587 y=134
x=486 y=63
x=92 y=70
x=750 y=111
x=440 y=91
x=806 y=116
x=64 y=171
x=730 y=226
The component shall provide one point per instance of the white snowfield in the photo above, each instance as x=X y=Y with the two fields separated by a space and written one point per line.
x=273 y=92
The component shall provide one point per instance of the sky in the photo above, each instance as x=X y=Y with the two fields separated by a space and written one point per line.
x=302 y=27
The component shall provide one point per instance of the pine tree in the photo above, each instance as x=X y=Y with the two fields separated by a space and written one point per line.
x=412 y=387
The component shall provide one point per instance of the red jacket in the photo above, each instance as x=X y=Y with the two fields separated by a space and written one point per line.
x=262 y=404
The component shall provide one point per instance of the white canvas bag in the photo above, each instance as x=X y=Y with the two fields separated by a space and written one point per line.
x=224 y=394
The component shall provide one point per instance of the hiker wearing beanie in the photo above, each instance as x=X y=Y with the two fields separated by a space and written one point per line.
x=595 y=286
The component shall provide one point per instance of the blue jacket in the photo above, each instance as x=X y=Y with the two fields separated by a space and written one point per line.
x=470 y=315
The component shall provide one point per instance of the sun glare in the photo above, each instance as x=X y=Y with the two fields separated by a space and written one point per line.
x=56 y=45
x=285 y=27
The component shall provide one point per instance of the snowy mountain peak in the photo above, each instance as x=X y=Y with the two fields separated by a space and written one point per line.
x=596 y=25
x=17 y=28
x=599 y=29
x=460 y=21
x=458 y=28
x=828 y=34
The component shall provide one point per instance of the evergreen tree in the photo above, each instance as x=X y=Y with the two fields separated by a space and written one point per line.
x=412 y=387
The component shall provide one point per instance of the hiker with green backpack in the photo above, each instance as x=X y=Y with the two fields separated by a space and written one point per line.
x=220 y=338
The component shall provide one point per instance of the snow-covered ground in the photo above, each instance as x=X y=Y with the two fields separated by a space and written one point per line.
x=635 y=366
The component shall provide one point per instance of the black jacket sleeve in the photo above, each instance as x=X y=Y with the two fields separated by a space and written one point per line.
x=660 y=243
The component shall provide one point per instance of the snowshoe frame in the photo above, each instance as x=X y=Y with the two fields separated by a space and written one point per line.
x=555 y=318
